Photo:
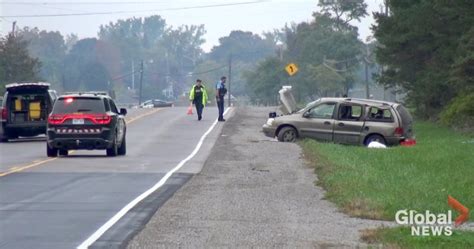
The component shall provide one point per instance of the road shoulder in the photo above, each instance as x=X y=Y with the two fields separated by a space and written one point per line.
x=252 y=192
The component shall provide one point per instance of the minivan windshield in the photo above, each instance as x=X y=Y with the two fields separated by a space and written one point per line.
x=310 y=104
x=78 y=105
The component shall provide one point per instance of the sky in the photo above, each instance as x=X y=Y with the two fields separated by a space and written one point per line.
x=219 y=17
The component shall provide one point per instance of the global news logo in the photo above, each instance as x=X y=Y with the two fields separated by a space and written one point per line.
x=430 y=224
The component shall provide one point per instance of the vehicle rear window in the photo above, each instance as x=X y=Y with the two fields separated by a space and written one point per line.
x=380 y=114
x=81 y=105
x=405 y=115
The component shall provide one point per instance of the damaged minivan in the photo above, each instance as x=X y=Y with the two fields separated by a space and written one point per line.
x=341 y=120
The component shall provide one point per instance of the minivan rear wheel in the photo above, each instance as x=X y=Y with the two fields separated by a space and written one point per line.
x=287 y=134
x=375 y=138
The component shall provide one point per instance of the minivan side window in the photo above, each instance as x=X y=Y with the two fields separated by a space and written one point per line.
x=350 y=112
x=379 y=114
x=325 y=110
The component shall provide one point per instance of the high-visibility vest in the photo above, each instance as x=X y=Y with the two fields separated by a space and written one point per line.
x=204 y=94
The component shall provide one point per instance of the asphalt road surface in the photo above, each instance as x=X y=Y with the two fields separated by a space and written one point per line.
x=60 y=203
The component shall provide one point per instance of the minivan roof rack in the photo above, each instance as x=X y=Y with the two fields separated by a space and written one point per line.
x=13 y=85
x=382 y=102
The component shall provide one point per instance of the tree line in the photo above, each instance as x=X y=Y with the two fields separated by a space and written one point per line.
x=422 y=48
x=172 y=58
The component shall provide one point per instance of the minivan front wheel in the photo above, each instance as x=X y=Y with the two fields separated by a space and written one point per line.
x=375 y=138
x=287 y=134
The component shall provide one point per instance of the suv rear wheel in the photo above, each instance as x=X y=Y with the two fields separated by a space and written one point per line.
x=122 y=150
x=51 y=152
x=113 y=151
x=63 y=152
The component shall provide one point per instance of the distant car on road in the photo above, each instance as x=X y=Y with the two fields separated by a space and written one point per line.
x=24 y=110
x=342 y=120
x=86 y=121
x=155 y=103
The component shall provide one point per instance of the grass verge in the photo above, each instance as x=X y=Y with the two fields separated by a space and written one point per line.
x=376 y=183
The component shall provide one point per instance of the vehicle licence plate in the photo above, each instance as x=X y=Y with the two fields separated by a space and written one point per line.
x=78 y=121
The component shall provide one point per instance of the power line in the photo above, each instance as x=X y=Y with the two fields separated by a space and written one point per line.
x=138 y=11
x=76 y=3
x=191 y=74
x=208 y=71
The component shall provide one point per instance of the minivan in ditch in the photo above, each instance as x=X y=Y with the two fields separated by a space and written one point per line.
x=341 y=120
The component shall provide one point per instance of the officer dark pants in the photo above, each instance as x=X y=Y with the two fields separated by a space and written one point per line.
x=220 y=106
x=199 y=107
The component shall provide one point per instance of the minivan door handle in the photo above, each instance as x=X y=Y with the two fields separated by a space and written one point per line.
x=327 y=123
x=340 y=124
x=366 y=128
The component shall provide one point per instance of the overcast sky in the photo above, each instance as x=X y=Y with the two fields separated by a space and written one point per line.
x=247 y=15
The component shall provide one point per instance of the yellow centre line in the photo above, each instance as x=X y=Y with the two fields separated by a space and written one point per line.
x=35 y=163
x=18 y=168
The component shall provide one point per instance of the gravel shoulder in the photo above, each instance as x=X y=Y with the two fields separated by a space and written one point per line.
x=251 y=192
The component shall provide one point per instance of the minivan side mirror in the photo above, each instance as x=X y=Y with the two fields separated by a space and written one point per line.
x=306 y=115
x=123 y=111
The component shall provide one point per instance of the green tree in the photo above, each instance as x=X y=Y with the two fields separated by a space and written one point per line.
x=244 y=50
x=342 y=12
x=169 y=53
x=243 y=46
x=84 y=70
x=15 y=62
x=266 y=80
x=49 y=48
x=427 y=48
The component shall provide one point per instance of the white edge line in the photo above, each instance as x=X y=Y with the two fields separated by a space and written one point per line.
x=97 y=234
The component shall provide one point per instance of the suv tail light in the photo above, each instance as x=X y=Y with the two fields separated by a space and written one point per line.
x=4 y=114
x=102 y=119
x=398 y=132
x=55 y=119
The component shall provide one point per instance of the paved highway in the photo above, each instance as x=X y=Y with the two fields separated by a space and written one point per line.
x=62 y=203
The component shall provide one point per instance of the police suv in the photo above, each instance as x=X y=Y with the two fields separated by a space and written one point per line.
x=86 y=121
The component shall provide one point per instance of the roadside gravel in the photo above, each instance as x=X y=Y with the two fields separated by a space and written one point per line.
x=252 y=192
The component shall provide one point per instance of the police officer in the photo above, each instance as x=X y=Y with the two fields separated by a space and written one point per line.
x=198 y=96
x=221 y=91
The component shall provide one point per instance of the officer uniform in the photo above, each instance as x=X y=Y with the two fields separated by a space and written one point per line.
x=198 y=95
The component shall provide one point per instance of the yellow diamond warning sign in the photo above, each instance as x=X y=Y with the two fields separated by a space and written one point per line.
x=291 y=69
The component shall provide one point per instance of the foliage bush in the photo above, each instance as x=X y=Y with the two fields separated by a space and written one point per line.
x=460 y=113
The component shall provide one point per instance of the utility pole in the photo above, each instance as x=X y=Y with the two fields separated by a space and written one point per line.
x=367 y=93
x=133 y=75
x=366 y=62
x=13 y=28
x=230 y=78
x=141 y=83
